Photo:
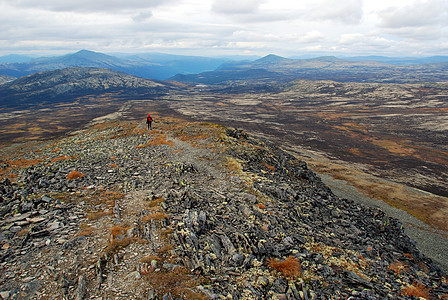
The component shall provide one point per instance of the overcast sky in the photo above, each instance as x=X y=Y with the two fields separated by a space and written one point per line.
x=226 y=27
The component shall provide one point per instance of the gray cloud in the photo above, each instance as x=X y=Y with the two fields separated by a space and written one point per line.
x=235 y=7
x=418 y=14
x=142 y=16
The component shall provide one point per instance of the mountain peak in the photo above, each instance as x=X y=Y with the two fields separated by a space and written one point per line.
x=84 y=51
x=89 y=54
x=327 y=59
x=271 y=58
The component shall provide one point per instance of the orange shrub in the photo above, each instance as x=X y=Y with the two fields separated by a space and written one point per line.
x=272 y=168
x=289 y=267
x=117 y=230
x=416 y=290
x=74 y=174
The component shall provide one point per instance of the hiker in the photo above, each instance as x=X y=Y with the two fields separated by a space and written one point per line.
x=149 y=121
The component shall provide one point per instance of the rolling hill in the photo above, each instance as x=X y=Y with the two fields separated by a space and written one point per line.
x=64 y=85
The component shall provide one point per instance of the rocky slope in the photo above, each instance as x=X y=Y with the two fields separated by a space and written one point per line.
x=191 y=211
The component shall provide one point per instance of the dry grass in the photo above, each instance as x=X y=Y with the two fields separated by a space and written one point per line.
x=417 y=290
x=23 y=231
x=74 y=175
x=111 y=195
x=165 y=233
x=155 y=202
x=398 y=267
x=179 y=282
x=117 y=230
x=85 y=229
x=233 y=165
x=99 y=214
x=149 y=258
x=272 y=168
x=157 y=140
x=165 y=250
x=12 y=176
x=290 y=267
x=115 y=245
x=104 y=198
x=18 y=164
x=157 y=216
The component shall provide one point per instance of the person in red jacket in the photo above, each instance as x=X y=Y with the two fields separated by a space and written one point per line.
x=149 y=121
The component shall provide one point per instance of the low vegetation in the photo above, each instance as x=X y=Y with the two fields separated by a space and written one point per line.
x=289 y=267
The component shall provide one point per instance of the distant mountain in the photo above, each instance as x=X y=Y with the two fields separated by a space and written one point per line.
x=156 y=66
x=179 y=64
x=6 y=78
x=272 y=59
x=216 y=70
x=66 y=84
x=401 y=60
x=273 y=67
x=82 y=58
x=14 y=58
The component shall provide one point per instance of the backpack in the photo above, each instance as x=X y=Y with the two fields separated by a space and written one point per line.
x=149 y=118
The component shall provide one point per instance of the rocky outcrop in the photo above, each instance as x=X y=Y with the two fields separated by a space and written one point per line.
x=192 y=211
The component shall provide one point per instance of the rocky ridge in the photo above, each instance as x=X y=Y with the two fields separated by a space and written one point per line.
x=191 y=211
